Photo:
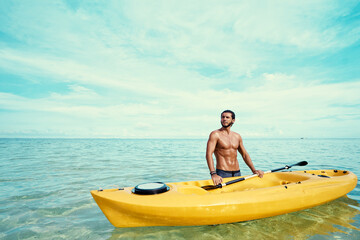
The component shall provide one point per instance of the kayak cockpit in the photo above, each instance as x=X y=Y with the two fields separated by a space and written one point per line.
x=269 y=180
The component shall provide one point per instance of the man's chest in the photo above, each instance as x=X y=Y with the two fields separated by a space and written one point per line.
x=228 y=143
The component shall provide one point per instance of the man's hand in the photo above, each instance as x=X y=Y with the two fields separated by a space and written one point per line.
x=259 y=173
x=216 y=179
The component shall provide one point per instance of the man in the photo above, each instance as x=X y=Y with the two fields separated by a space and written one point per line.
x=224 y=144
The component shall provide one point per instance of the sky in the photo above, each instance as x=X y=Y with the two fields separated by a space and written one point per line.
x=167 y=69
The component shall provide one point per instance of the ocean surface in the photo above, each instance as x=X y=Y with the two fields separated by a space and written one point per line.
x=45 y=186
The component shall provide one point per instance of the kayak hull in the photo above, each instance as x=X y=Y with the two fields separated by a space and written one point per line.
x=187 y=204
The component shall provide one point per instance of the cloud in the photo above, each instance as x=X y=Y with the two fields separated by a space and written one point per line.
x=280 y=108
x=167 y=69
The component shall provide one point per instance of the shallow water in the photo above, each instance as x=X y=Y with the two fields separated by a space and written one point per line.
x=46 y=182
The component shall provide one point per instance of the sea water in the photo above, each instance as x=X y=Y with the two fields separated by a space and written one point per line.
x=45 y=186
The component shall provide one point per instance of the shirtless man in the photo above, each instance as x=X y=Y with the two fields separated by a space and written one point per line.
x=224 y=144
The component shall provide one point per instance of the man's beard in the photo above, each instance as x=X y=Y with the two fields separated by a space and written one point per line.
x=226 y=126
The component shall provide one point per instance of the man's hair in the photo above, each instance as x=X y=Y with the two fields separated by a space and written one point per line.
x=229 y=111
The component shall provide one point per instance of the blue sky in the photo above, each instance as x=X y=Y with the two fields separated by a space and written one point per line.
x=166 y=69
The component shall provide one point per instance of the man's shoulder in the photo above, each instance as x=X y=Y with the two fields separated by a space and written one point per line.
x=237 y=135
x=215 y=133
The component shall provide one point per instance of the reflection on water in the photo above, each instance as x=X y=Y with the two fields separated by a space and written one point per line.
x=335 y=218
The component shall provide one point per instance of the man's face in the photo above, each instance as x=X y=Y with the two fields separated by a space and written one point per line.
x=226 y=120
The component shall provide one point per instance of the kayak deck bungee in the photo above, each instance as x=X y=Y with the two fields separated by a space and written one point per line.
x=187 y=203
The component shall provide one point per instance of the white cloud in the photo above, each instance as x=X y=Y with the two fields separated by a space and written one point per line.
x=77 y=93
x=270 y=110
x=145 y=69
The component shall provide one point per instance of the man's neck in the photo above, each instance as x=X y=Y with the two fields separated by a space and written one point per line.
x=226 y=129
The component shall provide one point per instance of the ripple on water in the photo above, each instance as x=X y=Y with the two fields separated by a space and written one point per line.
x=46 y=184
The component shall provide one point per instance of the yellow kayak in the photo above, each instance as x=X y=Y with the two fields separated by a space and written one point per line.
x=187 y=203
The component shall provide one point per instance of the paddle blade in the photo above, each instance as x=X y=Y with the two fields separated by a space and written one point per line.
x=211 y=187
x=303 y=163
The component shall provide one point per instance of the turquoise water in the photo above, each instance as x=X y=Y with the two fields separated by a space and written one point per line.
x=45 y=186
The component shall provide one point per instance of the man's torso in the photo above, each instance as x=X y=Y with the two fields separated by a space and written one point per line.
x=226 y=151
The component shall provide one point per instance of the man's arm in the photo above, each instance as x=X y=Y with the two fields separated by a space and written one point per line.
x=210 y=149
x=245 y=155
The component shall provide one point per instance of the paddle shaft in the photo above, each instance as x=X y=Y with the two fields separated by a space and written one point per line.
x=251 y=176
x=240 y=179
x=210 y=187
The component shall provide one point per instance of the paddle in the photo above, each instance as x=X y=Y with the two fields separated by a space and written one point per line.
x=210 y=187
